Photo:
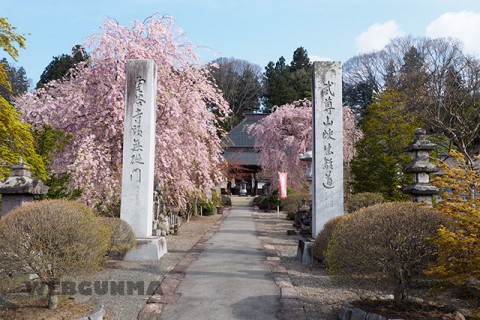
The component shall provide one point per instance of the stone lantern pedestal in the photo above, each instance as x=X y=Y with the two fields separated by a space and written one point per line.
x=19 y=187
x=421 y=189
x=304 y=249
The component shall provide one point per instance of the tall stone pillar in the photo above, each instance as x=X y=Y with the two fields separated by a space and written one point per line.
x=138 y=158
x=327 y=169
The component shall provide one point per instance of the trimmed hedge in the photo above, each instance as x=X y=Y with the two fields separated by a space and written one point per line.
x=319 y=248
x=291 y=203
x=364 y=199
x=52 y=239
x=384 y=246
x=120 y=235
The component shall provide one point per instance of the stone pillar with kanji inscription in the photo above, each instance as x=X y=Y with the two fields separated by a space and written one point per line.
x=138 y=158
x=327 y=164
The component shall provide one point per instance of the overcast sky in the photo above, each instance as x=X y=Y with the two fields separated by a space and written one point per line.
x=258 y=31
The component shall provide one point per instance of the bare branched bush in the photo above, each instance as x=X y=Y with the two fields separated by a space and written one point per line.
x=52 y=239
x=384 y=247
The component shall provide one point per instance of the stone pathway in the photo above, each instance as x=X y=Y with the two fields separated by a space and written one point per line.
x=230 y=274
x=230 y=279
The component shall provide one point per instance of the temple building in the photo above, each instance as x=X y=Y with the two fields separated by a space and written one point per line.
x=244 y=171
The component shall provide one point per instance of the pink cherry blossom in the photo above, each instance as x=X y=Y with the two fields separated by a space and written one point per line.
x=89 y=104
x=287 y=132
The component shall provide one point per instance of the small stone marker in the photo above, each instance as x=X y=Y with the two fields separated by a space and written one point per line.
x=327 y=166
x=138 y=158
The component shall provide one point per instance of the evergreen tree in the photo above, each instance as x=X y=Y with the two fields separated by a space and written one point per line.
x=380 y=158
x=18 y=81
x=49 y=143
x=300 y=60
x=60 y=65
x=413 y=80
x=358 y=95
x=287 y=83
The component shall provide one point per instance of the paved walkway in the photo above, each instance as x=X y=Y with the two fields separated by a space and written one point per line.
x=230 y=279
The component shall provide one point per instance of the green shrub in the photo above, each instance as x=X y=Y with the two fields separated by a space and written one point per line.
x=384 y=246
x=226 y=201
x=257 y=200
x=52 y=239
x=216 y=199
x=362 y=200
x=207 y=207
x=120 y=235
x=268 y=202
x=319 y=248
x=291 y=203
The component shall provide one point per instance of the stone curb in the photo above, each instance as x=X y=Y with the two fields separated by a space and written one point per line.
x=165 y=292
x=290 y=305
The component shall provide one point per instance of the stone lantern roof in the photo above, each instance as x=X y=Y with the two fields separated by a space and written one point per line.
x=420 y=142
x=21 y=182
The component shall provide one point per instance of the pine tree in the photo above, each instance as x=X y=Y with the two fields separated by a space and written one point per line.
x=288 y=83
x=62 y=64
x=380 y=158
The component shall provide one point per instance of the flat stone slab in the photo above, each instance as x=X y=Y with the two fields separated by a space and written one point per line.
x=152 y=248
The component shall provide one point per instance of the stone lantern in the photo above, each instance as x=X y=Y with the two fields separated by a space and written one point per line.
x=303 y=217
x=307 y=157
x=421 y=189
x=19 y=187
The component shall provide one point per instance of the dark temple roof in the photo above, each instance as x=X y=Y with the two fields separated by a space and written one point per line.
x=240 y=145
x=239 y=137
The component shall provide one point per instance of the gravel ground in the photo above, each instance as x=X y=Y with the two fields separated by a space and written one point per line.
x=126 y=307
x=320 y=299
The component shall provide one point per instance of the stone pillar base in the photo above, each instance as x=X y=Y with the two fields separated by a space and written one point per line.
x=304 y=251
x=152 y=248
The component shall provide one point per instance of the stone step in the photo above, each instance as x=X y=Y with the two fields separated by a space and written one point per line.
x=238 y=201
